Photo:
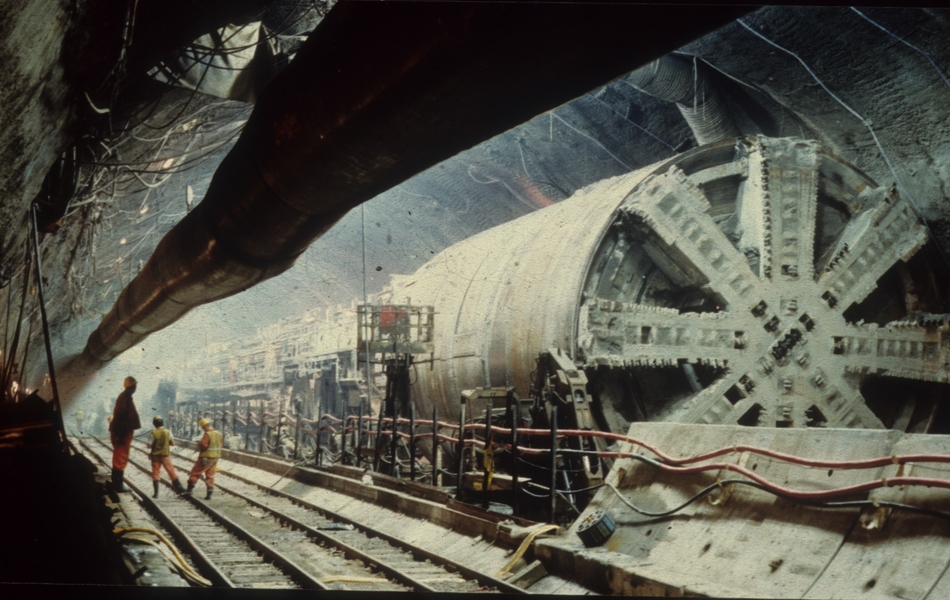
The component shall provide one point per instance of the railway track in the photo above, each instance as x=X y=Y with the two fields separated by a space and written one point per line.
x=223 y=552
x=367 y=553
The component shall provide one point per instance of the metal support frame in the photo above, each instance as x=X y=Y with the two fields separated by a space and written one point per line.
x=397 y=401
x=560 y=382
x=487 y=455
x=489 y=394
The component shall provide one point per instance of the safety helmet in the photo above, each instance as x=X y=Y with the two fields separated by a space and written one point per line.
x=157 y=421
x=129 y=382
x=204 y=423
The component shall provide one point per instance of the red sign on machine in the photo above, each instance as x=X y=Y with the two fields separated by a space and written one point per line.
x=390 y=317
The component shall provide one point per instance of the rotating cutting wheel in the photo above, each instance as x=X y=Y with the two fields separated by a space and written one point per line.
x=764 y=283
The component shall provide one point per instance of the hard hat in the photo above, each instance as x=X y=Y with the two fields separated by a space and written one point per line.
x=204 y=423
x=157 y=421
x=129 y=382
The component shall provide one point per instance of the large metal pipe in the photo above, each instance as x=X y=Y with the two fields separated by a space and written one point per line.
x=380 y=92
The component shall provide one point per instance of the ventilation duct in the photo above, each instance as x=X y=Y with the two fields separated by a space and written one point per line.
x=677 y=78
x=380 y=92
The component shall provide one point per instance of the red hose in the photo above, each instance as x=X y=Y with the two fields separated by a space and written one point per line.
x=801 y=495
x=671 y=460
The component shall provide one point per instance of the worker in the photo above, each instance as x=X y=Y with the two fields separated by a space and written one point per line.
x=160 y=455
x=209 y=453
x=80 y=416
x=122 y=426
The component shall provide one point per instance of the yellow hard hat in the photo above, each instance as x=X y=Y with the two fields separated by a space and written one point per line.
x=129 y=381
x=204 y=423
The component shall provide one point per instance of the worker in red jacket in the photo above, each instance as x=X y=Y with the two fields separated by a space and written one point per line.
x=208 y=455
x=125 y=420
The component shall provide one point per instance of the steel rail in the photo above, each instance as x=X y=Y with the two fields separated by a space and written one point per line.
x=202 y=561
x=302 y=577
x=350 y=551
x=306 y=580
x=481 y=578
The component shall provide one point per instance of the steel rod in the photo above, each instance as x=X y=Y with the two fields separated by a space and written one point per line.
x=515 y=413
x=298 y=416
x=436 y=449
x=343 y=460
x=8 y=370
x=359 y=436
x=412 y=442
x=377 y=454
x=553 y=490
x=486 y=481
x=394 y=440
x=317 y=409
x=247 y=428
x=280 y=423
x=260 y=432
x=460 y=458
x=57 y=409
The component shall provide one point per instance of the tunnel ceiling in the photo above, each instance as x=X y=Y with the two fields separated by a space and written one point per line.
x=116 y=156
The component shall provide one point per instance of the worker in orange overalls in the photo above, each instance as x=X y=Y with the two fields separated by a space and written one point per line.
x=160 y=455
x=122 y=426
x=210 y=452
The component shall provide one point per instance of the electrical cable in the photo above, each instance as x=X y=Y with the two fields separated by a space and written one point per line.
x=720 y=484
x=735 y=449
x=211 y=150
x=181 y=560
x=579 y=132
x=233 y=50
x=629 y=120
x=187 y=574
x=906 y=43
x=790 y=493
x=184 y=108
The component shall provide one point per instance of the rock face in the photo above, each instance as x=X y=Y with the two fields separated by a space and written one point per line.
x=35 y=110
